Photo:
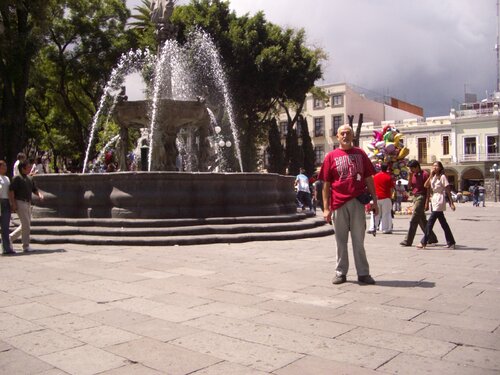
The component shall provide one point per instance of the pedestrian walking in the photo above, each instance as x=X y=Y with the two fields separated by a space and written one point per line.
x=5 y=209
x=303 y=190
x=400 y=191
x=347 y=173
x=416 y=181
x=20 y=191
x=441 y=190
x=384 y=187
x=475 y=195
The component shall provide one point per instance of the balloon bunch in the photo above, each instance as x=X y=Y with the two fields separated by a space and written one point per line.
x=387 y=147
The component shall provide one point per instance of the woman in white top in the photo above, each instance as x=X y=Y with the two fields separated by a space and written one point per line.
x=5 y=209
x=441 y=189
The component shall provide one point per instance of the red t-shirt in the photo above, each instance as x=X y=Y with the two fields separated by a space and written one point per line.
x=418 y=181
x=383 y=184
x=346 y=171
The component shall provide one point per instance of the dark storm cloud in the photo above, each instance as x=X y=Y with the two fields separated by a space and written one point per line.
x=422 y=51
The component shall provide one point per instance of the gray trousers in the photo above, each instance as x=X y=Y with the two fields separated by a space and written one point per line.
x=24 y=213
x=351 y=217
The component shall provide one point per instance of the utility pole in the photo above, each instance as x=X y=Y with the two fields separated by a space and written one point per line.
x=497 y=46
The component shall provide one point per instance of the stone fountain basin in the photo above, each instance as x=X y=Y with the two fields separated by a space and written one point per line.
x=164 y=195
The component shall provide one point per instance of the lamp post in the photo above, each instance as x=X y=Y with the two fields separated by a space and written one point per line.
x=494 y=170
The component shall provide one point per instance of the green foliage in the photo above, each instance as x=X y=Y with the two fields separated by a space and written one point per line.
x=275 y=150
x=142 y=27
x=265 y=64
x=24 y=28
x=307 y=148
x=85 y=41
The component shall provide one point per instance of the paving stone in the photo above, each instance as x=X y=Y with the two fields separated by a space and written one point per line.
x=180 y=299
x=382 y=310
x=402 y=343
x=158 y=310
x=66 y=323
x=191 y=271
x=244 y=288
x=102 y=336
x=474 y=356
x=257 y=356
x=42 y=342
x=229 y=368
x=483 y=312
x=19 y=363
x=425 y=305
x=461 y=336
x=378 y=322
x=164 y=357
x=294 y=342
x=229 y=310
x=31 y=310
x=53 y=371
x=300 y=309
x=11 y=325
x=129 y=289
x=459 y=321
x=30 y=292
x=4 y=346
x=117 y=317
x=160 y=329
x=84 y=360
x=134 y=369
x=155 y=274
x=304 y=325
x=311 y=365
x=408 y=364
x=89 y=292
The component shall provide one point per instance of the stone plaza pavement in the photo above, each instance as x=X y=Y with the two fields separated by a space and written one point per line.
x=257 y=308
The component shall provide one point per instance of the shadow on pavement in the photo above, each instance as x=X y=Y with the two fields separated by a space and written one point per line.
x=406 y=284
x=36 y=252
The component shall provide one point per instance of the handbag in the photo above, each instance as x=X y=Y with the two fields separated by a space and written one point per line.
x=364 y=198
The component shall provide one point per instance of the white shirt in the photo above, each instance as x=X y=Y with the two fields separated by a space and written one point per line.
x=4 y=187
x=438 y=186
x=16 y=169
x=302 y=183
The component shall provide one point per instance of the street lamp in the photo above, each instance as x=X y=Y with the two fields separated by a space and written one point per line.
x=494 y=170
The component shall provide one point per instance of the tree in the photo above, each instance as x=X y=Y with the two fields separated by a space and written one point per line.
x=86 y=39
x=23 y=29
x=142 y=25
x=357 y=134
x=267 y=65
x=307 y=148
x=275 y=150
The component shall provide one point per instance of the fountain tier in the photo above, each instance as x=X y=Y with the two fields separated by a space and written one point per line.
x=164 y=195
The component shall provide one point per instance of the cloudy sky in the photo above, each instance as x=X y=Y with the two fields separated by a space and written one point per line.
x=427 y=52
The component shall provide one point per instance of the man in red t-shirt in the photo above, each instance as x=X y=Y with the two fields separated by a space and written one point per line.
x=347 y=173
x=416 y=181
x=384 y=186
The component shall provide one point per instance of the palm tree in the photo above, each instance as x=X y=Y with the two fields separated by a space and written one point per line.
x=142 y=17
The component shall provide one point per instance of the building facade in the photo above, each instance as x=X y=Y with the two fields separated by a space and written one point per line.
x=466 y=141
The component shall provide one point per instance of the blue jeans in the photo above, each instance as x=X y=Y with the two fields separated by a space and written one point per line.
x=438 y=215
x=5 y=223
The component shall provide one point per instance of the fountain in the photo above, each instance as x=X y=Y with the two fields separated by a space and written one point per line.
x=175 y=123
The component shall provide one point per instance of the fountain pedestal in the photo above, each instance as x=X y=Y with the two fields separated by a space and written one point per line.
x=173 y=115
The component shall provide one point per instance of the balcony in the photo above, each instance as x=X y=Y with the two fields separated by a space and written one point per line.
x=476 y=112
x=478 y=157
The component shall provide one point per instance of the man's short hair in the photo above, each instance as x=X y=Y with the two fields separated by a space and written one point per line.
x=22 y=165
x=413 y=164
x=21 y=155
x=384 y=167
